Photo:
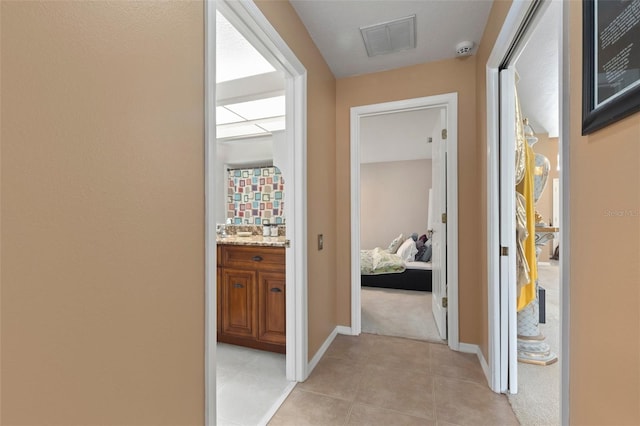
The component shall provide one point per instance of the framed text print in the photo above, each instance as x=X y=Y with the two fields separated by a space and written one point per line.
x=611 y=62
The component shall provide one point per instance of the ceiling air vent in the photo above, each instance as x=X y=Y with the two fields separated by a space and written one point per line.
x=392 y=36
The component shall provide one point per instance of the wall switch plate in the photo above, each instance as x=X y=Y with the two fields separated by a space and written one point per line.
x=320 y=241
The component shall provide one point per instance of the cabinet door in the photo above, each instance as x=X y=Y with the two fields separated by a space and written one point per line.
x=238 y=303
x=219 y=299
x=271 y=307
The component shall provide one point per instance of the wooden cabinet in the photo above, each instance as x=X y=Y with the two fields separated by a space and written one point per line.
x=252 y=297
x=271 y=307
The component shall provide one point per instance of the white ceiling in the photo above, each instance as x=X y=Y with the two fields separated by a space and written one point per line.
x=440 y=25
x=538 y=69
x=398 y=136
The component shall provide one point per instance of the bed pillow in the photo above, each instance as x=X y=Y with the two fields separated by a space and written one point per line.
x=395 y=244
x=424 y=253
x=407 y=250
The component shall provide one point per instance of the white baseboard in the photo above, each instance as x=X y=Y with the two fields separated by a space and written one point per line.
x=343 y=329
x=468 y=348
x=475 y=349
x=316 y=358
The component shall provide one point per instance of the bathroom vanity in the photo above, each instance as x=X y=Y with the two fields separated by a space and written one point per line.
x=251 y=292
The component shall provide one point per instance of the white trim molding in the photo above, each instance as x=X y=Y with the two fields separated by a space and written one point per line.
x=318 y=356
x=450 y=102
x=516 y=15
x=475 y=349
x=210 y=325
x=347 y=331
x=565 y=223
x=515 y=19
x=253 y=25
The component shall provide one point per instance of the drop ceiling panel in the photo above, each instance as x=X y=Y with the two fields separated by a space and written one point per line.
x=224 y=116
x=261 y=108
x=236 y=130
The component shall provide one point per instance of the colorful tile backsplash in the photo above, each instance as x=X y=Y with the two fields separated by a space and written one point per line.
x=255 y=195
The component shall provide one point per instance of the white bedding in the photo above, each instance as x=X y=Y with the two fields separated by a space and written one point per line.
x=380 y=261
x=425 y=266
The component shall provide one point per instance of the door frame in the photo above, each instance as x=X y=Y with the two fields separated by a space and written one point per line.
x=450 y=102
x=518 y=21
x=253 y=25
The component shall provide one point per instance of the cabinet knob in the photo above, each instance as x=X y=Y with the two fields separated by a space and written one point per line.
x=276 y=290
x=238 y=285
x=257 y=258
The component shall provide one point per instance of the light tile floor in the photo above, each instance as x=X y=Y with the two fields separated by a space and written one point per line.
x=249 y=383
x=381 y=380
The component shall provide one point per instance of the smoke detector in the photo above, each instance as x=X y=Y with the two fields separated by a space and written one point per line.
x=464 y=48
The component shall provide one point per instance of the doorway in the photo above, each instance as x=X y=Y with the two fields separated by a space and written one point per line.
x=251 y=23
x=508 y=342
x=445 y=294
x=397 y=168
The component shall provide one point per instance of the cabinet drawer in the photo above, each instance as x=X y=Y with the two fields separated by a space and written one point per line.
x=254 y=258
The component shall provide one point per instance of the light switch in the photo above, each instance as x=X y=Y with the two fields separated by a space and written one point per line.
x=320 y=241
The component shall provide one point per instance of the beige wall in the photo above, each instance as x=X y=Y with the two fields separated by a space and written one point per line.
x=394 y=199
x=497 y=16
x=605 y=249
x=435 y=78
x=549 y=148
x=102 y=213
x=605 y=261
x=321 y=169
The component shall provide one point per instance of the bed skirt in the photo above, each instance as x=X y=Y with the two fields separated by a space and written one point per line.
x=410 y=279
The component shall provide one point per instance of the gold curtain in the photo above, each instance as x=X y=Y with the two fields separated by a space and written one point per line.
x=525 y=238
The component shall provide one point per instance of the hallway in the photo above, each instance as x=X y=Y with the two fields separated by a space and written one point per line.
x=380 y=380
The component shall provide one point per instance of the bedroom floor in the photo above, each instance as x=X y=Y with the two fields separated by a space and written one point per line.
x=400 y=313
x=381 y=380
x=538 y=399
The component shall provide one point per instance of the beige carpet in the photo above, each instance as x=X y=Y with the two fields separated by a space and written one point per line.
x=400 y=313
x=538 y=400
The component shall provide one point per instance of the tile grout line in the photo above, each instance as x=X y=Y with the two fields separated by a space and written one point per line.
x=355 y=396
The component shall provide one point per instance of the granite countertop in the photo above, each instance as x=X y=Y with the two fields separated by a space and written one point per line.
x=254 y=240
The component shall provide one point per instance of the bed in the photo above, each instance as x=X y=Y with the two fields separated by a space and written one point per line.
x=416 y=276
x=396 y=267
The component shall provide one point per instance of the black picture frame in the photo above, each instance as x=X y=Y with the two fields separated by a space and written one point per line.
x=610 y=68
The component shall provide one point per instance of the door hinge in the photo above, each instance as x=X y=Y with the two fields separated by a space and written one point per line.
x=444 y=134
x=287 y=243
x=444 y=218
x=504 y=251
x=445 y=302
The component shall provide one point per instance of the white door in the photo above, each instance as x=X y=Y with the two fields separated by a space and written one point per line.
x=439 y=237
x=508 y=290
